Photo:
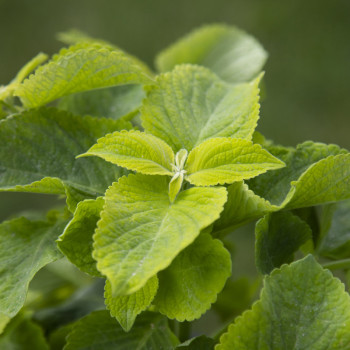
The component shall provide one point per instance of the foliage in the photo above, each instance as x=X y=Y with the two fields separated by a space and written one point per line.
x=157 y=170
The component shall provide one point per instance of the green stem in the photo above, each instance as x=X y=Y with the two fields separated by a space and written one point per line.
x=338 y=265
x=184 y=331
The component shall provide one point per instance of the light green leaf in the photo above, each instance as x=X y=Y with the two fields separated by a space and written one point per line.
x=100 y=331
x=278 y=236
x=38 y=150
x=199 y=343
x=225 y=160
x=136 y=151
x=80 y=68
x=302 y=306
x=113 y=102
x=141 y=232
x=21 y=334
x=191 y=104
x=25 y=247
x=189 y=286
x=76 y=240
x=175 y=185
x=231 y=53
x=126 y=308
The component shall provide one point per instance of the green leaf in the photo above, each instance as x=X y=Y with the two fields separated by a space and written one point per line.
x=126 y=308
x=25 y=247
x=76 y=240
x=302 y=306
x=136 y=151
x=80 y=68
x=231 y=53
x=278 y=236
x=226 y=160
x=191 y=104
x=21 y=334
x=113 y=102
x=189 y=286
x=141 y=231
x=38 y=150
x=100 y=331
x=199 y=343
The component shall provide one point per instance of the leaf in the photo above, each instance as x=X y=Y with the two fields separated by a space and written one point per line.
x=113 y=102
x=226 y=160
x=278 y=236
x=136 y=151
x=76 y=240
x=141 y=232
x=25 y=247
x=301 y=306
x=191 y=104
x=126 y=308
x=199 y=343
x=228 y=51
x=22 y=333
x=38 y=150
x=80 y=68
x=189 y=286
x=100 y=331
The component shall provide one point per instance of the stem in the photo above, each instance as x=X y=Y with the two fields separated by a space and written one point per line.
x=337 y=265
x=184 y=331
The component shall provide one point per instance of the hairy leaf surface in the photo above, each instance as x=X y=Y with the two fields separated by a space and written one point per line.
x=141 y=231
x=191 y=104
x=231 y=53
x=302 y=306
x=226 y=160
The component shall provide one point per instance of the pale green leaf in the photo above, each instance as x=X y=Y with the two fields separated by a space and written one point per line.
x=126 y=308
x=301 y=307
x=278 y=236
x=141 y=231
x=226 y=160
x=25 y=247
x=189 y=286
x=38 y=150
x=231 y=53
x=76 y=240
x=191 y=104
x=136 y=151
x=175 y=185
x=199 y=343
x=100 y=331
x=77 y=69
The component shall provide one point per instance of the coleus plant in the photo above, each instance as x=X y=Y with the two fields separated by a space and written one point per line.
x=157 y=170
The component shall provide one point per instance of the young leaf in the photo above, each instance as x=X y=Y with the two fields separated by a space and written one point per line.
x=100 y=331
x=302 y=306
x=25 y=247
x=141 y=231
x=231 y=53
x=126 y=308
x=225 y=160
x=191 y=104
x=48 y=165
x=189 y=286
x=76 y=241
x=136 y=151
x=278 y=236
x=80 y=68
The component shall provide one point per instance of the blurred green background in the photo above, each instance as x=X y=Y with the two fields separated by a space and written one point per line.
x=307 y=74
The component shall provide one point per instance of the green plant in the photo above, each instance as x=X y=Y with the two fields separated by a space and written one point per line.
x=156 y=171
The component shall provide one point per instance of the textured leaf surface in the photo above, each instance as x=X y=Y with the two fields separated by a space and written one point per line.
x=136 y=151
x=191 y=104
x=38 y=150
x=199 y=343
x=21 y=333
x=231 y=53
x=278 y=236
x=76 y=241
x=80 y=68
x=226 y=160
x=141 y=232
x=302 y=306
x=100 y=331
x=189 y=286
x=126 y=308
x=25 y=247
